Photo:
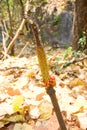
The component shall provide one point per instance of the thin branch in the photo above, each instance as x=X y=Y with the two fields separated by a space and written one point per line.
x=74 y=61
x=19 y=29
x=19 y=55
x=16 y=35
x=15 y=67
x=4 y=38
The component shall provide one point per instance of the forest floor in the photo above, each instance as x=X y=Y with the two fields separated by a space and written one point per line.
x=24 y=103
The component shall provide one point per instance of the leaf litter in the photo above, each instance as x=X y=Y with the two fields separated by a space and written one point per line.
x=24 y=103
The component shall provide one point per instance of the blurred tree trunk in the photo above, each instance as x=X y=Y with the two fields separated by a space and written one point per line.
x=80 y=22
x=22 y=8
x=11 y=27
x=22 y=13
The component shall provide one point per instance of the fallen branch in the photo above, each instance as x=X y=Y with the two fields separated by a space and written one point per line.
x=15 y=67
x=74 y=61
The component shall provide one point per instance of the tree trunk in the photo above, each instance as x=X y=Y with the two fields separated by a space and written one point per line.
x=22 y=8
x=80 y=22
x=11 y=28
x=22 y=11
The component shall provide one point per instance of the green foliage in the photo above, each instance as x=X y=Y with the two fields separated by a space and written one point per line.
x=67 y=53
x=56 y=33
x=82 y=41
x=70 y=53
x=56 y=19
x=3 y=2
x=59 y=59
x=76 y=53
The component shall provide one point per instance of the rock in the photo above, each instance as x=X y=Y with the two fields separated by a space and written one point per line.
x=65 y=28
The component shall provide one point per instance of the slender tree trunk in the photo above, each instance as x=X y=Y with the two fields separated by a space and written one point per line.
x=22 y=8
x=20 y=28
x=22 y=11
x=10 y=21
x=80 y=22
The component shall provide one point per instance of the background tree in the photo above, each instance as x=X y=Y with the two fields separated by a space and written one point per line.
x=11 y=26
x=79 y=23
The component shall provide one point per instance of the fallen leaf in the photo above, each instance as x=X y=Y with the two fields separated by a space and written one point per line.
x=83 y=120
x=30 y=74
x=5 y=108
x=53 y=123
x=77 y=82
x=12 y=91
x=45 y=109
x=14 y=118
x=85 y=62
x=27 y=127
x=34 y=113
x=17 y=103
x=40 y=128
x=63 y=76
x=39 y=96
x=24 y=126
x=1 y=124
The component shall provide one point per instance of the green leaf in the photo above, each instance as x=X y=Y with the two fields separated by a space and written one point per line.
x=59 y=59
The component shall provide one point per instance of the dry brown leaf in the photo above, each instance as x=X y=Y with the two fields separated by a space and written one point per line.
x=12 y=91
x=21 y=82
x=75 y=68
x=81 y=109
x=34 y=113
x=27 y=127
x=30 y=74
x=1 y=124
x=53 y=123
x=83 y=120
x=5 y=108
x=39 y=96
x=77 y=82
x=8 y=72
x=14 y=118
x=79 y=106
x=63 y=76
x=85 y=62
x=45 y=109
x=24 y=126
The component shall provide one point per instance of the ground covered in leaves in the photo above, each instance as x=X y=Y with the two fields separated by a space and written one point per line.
x=24 y=103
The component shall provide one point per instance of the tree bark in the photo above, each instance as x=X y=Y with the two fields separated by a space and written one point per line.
x=80 y=22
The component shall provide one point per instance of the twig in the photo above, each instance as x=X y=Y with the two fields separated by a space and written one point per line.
x=15 y=67
x=4 y=26
x=4 y=42
x=22 y=50
x=73 y=62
